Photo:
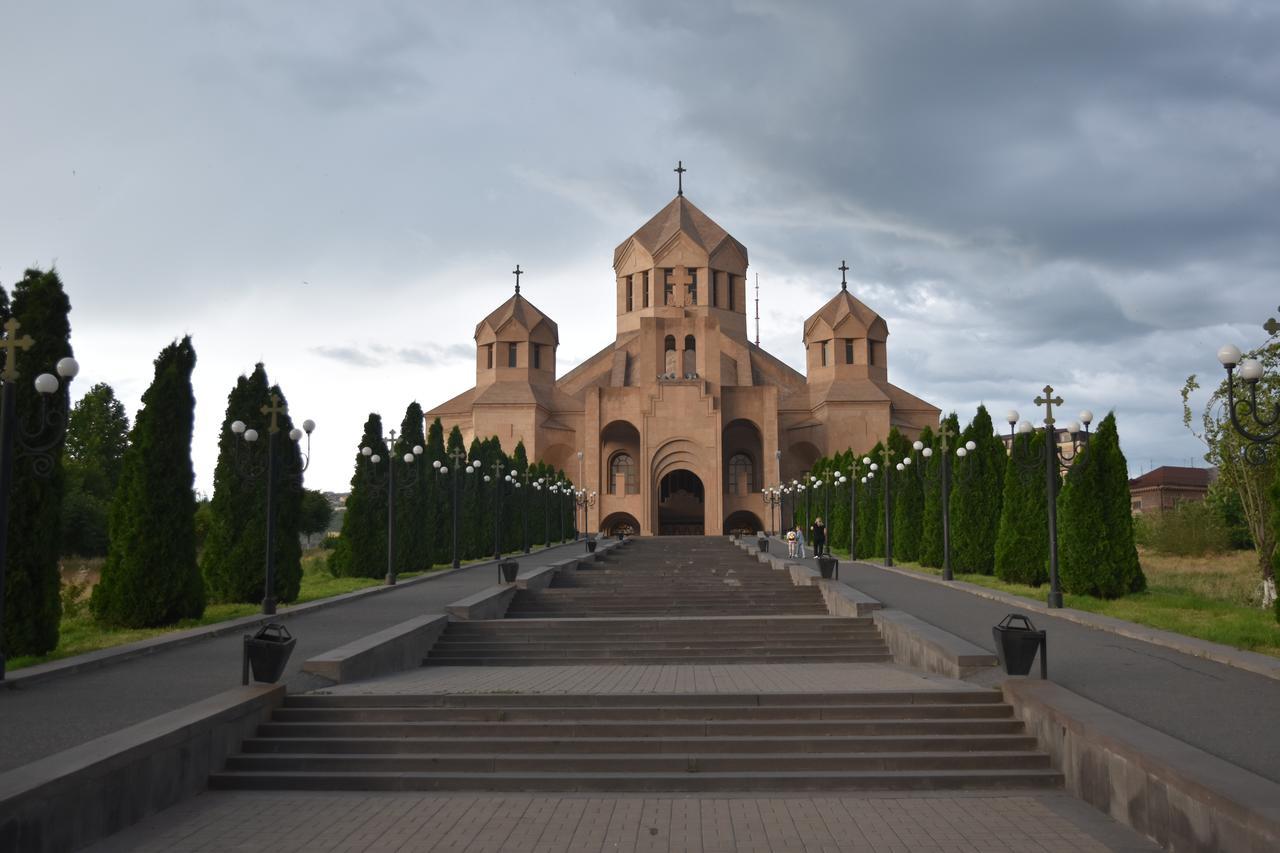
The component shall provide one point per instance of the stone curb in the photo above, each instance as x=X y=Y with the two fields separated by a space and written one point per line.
x=1258 y=664
x=117 y=654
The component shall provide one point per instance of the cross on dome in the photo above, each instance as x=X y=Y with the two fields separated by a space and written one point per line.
x=679 y=170
x=517 y=272
x=844 y=268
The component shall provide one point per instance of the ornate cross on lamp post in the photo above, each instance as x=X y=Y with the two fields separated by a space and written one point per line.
x=1265 y=427
x=886 y=456
x=498 y=468
x=250 y=467
x=679 y=170
x=1054 y=459
x=458 y=455
x=38 y=443
x=389 y=481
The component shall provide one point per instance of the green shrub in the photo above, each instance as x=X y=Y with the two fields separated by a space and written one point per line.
x=1192 y=529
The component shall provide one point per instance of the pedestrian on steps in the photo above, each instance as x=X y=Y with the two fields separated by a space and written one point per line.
x=819 y=537
x=800 y=541
x=791 y=543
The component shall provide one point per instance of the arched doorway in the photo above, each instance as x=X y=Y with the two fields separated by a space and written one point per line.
x=681 y=504
x=743 y=522
x=620 y=522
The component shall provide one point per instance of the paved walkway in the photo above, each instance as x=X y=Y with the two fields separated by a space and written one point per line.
x=1225 y=711
x=654 y=678
x=934 y=823
x=50 y=716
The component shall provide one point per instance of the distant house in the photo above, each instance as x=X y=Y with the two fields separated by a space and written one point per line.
x=1165 y=487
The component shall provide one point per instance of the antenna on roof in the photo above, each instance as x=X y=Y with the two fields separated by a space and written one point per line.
x=757 y=309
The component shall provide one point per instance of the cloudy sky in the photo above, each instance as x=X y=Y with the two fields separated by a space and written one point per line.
x=1083 y=193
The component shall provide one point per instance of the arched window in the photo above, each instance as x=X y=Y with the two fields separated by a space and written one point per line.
x=669 y=344
x=741 y=473
x=669 y=357
x=622 y=475
x=690 y=342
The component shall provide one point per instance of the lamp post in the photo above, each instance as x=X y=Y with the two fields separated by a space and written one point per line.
x=249 y=466
x=539 y=486
x=839 y=479
x=773 y=497
x=458 y=455
x=389 y=482
x=1265 y=428
x=38 y=443
x=585 y=500
x=525 y=479
x=584 y=515
x=886 y=455
x=497 y=481
x=1053 y=459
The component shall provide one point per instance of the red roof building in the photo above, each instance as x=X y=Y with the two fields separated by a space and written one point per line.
x=1163 y=488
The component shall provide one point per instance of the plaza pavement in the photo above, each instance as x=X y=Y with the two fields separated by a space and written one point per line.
x=52 y=715
x=1225 y=711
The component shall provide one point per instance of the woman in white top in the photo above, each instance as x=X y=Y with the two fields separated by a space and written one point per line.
x=799 y=542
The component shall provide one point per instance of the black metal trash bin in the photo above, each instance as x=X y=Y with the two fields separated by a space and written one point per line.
x=827 y=566
x=509 y=569
x=1016 y=646
x=267 y=652
x=762 y=543
x=591 y=545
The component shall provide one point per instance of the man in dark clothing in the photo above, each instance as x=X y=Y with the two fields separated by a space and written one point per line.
x=819 y=537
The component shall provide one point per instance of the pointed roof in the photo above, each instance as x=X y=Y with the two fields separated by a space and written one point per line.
x=522 y=311
x=842 y=305
x=681 y=216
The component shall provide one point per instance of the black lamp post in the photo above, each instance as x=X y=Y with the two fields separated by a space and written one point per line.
x=526 y=479
x=886 y=455
x=585 y=500
x=251 y=465
x=497 y=481
x=839 y=479
x=1054 y=459
x=772 y=497
x=388 y=481
x=38 y=443
x=459 y=456
x=1264 y=428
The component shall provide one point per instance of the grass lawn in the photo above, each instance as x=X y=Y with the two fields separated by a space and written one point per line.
x=78 y=633
x=1210 y=598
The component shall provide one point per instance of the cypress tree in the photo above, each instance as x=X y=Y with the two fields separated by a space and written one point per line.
x=517 y=516
x=871 y=510
x=931 y=527
x=234 y=557
x=1022 y=543
x=908 y=503
x=474 y=515
x=1096 y=551
x=455 y=443
x=361 y=549
x=412 y=519
x=976 y=492
x=32 y=606
x=151 y=576
x=438 y=495
x=97 y=435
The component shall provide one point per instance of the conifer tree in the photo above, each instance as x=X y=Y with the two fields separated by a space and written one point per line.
x=361 y=549
x=908 y=503
x=234 y=558
x=474 y=513
x=1022 y=543
x=976 y=492
x=151 y=577
x=97 y=435
x=412 y=520
x=457 y=470
x=438 y=495
x=871 y=510
x=520 y=500
x=32 y=605
x=1096 y=551
x=931 y=540
x=1275 y=526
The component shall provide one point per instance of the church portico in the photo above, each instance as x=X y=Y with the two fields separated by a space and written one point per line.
x=681 y=422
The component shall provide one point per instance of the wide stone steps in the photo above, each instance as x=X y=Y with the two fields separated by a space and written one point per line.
x=617 y=743
x=607 y=657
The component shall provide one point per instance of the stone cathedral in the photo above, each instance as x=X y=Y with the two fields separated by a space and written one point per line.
x=681 y=421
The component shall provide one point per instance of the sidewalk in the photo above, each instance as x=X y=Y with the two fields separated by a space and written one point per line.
x=1223 y=710
x=56 y=714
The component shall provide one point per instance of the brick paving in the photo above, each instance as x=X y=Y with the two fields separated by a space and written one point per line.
x=655 y=678
x=358 y=822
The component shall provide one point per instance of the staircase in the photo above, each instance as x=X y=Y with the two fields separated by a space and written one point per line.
x=643 y=742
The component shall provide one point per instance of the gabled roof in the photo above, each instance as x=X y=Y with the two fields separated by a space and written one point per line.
x=523 y=312
x=681 y=216
x=843 y=305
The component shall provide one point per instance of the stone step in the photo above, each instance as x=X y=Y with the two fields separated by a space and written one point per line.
x=630 y=762
x=704 y=623
x=570 y=702
x=649 y=714
x=449 y=645
x=719 y=745
x=926 y=780
x=649 y=659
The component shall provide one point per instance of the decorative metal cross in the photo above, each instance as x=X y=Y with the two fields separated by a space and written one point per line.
x=679 y=170
x=459 y=456
x=844 y=268
x=274 y=410
x=1271 y=326
x=517 y=272
x=11 y=344
x=945 y=434
x=1048 y=401
x=887 y=454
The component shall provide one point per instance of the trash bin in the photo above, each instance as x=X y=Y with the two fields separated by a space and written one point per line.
x=591 y=544
x=1016 y=645
x=268 y=651
x=762 y=542
x=827 y=566
x=509 y=569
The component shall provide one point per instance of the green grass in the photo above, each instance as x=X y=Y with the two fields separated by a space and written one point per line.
x=1183 y=596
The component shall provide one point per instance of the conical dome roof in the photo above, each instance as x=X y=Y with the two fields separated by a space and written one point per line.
x=521 y=311
x=843 y=306
x=681 y=216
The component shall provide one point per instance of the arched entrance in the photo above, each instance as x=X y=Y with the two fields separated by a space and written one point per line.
x=743 y=522
x=620 y=522
x=681 y=504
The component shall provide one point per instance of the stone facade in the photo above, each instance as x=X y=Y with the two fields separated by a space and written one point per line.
x=680 y=421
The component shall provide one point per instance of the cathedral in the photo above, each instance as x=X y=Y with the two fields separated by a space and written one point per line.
x=680 y=422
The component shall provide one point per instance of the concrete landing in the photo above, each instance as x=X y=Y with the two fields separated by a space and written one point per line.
x=657 y=678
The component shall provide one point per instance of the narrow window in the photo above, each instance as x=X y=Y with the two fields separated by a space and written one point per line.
x=824 y=353
x=537 y=356
x=692 y=288
x=644 y=283
x=713 y=281
x=628 y=296
x=511 y=355
x=740 y=475
x=668 y=289
x=848 y=350
x=871 y=352
x=622 y=475
x=488 y=356
x=731 y=291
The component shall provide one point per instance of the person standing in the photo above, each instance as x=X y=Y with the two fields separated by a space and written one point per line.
x=800 y=541
x=818 y=535
x=791 y=543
